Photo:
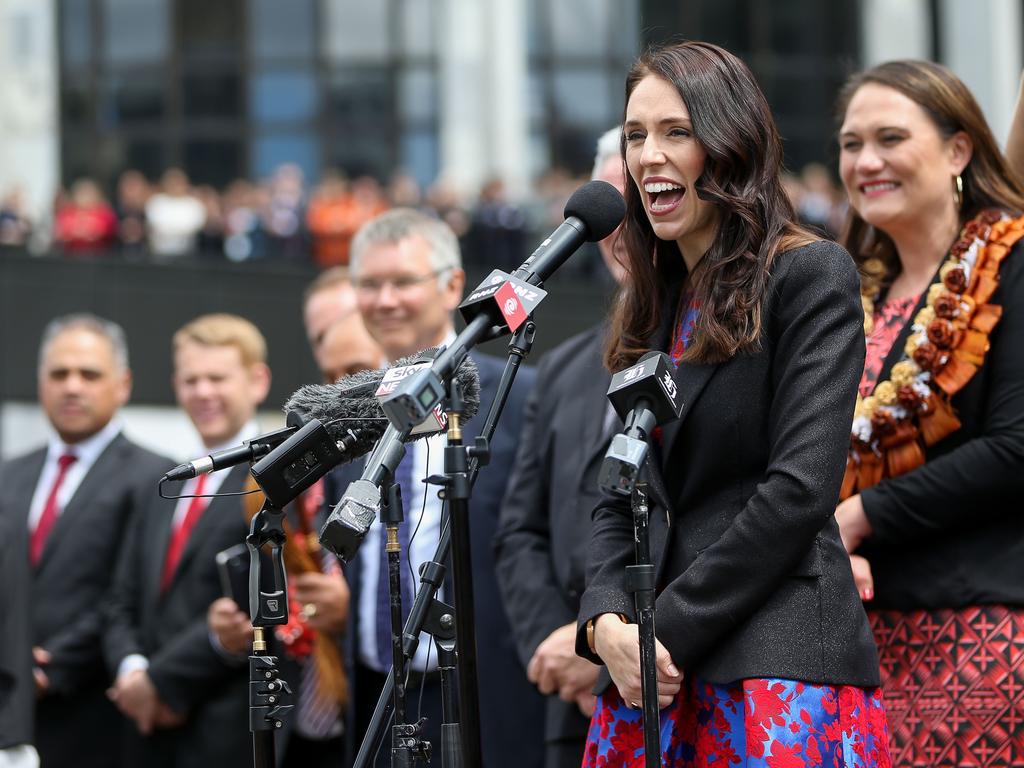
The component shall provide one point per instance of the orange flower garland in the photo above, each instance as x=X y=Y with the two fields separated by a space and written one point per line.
x=949 y=340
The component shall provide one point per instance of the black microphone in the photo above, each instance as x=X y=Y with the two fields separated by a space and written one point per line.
x=502 y=302
x=250 y=450
x=351 y=404
x=644 y=395
x=343 y=421
x=591 y=214
x=352 y=517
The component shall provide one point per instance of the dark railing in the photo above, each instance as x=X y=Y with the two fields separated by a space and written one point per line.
x=152 y=300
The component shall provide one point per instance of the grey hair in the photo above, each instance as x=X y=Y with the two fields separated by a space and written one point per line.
x=108 y=329
x=608 y=146
x=400 y=223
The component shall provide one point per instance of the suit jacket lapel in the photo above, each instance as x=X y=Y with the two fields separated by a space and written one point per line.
x=23 y=485
x=78 y=505
x=158 y=525
x=209 y=520
x=690 y=378
x=598 y=429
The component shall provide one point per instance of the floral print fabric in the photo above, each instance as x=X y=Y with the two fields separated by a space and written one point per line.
x=889 y=320
x=758 y=723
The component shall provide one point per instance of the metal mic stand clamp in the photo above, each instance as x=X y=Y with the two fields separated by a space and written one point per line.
x=407 y=745
x=267 y=691
x=640 y=581
x=457 y=488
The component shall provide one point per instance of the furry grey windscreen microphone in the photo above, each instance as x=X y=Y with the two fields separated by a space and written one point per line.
x=350 y=403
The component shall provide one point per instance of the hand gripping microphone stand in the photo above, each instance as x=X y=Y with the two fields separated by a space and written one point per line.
x=644 y=396
x=460 y=741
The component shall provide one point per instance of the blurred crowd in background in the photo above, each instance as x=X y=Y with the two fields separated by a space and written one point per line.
x=287 y=219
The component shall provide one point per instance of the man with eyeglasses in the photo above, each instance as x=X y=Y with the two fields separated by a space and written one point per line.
x=408 y=276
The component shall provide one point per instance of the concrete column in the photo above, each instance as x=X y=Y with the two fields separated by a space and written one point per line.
x=895 y=29
x=506 y=94
x=29 y=129
x=483 y=116
x=464 y=123
x=981 y=42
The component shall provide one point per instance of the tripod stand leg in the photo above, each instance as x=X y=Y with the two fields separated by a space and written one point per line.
x=451 y=732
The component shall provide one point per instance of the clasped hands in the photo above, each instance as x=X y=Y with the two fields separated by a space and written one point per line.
x=555 y=668
x=135 y=695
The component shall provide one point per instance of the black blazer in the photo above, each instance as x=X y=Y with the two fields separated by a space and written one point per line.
x=17 y=689
x=172 y=632
x=755 y=579
x=541 y=544
x=68 y=589
x=511 y=710
x=950 y=533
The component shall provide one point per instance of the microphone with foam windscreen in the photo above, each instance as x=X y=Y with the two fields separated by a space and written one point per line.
x=343 y=421
x=351 y=518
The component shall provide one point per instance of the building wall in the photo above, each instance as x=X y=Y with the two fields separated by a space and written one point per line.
x=28 y=100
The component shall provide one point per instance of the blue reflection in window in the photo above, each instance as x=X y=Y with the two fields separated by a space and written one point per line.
x=584 y=96
x=420 y=155
x=271 y=150
x=282 y=29
x=136 y=31
x=283 y=97
x=76 y=43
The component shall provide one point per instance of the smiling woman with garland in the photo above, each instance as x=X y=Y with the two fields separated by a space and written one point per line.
x=935 y=472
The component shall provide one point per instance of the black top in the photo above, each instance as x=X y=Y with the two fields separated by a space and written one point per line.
x=950 y=533
x=756 y=582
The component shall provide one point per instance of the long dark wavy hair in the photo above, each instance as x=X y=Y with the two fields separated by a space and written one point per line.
x=733 y=123
x=988 y=181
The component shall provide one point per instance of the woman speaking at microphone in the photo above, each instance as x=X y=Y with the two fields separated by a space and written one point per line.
x=764 y=652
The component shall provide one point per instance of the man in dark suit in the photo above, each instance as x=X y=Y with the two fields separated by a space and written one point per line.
x=186 y=696
x=77 y=496
x=408 y=277
x=312 y=735
x=542 y=537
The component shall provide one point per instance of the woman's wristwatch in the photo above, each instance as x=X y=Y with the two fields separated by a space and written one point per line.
x=592 y=625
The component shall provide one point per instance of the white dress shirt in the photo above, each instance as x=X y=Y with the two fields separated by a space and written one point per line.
x=87 y=452
x=214 y=480
x=428 y=459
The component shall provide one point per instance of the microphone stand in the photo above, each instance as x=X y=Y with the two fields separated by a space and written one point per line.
x=640 y=580
x=406 y=744
x=426 y=607
x=267 y=691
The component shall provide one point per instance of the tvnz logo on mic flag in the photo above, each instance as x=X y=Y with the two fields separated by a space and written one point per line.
x=515 y=298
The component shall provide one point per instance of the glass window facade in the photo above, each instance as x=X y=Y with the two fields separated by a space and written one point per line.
x=801 y=52
x=230 y=88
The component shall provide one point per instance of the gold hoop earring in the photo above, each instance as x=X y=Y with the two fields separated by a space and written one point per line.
x=958 y=191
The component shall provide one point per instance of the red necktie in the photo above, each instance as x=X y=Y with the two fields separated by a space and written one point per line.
x=49 y=516
x=179 y=537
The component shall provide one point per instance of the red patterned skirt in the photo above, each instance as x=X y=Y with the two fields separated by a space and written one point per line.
x=953 y=684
